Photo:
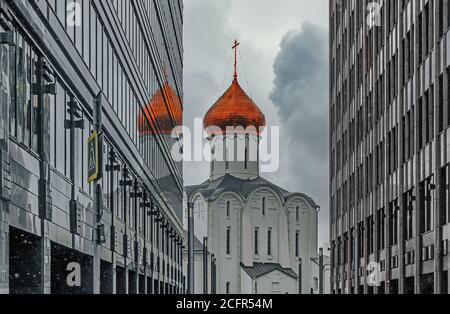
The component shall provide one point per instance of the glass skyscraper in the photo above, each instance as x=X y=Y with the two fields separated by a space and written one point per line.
x=67 y=69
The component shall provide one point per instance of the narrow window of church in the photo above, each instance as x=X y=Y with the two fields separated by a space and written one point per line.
x=297 y=214
x=228 y=241
x=269 y=242
x=157 y=235
x=246 y=159
x=228 y=288
x=297 y=243
x=228 y=209
x=264 y=206
x=256 y=241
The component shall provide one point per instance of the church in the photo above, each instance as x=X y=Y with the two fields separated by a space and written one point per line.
x=262 y=237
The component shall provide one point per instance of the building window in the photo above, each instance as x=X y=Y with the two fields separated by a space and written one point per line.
x=213 y=158
x=228 y=288
x=256 y=241
x=297 y=244
x=275 y=287
x=297 y=214
x=229 y=241
x=228 y=209
x=5 y=95
x=381 y=224
x=441 y=104
x=246 y=159
x=445 y=194
x=269 y=242
x=24 y=104
x=163 y=238
x=370 y=235
x=264 y=206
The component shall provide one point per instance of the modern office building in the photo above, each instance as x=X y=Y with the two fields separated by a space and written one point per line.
x=390 y=146
x=90 y=196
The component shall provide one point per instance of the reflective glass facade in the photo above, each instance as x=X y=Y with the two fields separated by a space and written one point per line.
x=389 y=146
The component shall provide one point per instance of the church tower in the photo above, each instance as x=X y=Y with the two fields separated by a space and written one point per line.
x=234 y=125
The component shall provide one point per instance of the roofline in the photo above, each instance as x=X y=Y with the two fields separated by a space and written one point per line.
x=284 y=197
x=281 y=269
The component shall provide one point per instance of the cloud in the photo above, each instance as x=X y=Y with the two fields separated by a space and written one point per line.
x=300 y=94
x=298 y=80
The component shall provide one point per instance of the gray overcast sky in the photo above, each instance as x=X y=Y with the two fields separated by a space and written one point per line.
x=284 y=49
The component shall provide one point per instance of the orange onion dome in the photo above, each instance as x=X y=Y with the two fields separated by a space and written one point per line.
x=160 y=110
x=235 y=109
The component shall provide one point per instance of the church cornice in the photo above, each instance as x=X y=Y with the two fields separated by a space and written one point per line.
x=213 y=190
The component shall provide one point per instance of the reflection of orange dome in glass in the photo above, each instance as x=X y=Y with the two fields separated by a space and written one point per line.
x=160 y=110
x=235 y=109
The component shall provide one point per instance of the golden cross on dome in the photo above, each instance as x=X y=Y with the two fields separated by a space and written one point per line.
x=235 y=46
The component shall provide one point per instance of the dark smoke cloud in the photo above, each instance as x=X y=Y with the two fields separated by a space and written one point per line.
x=300 y=95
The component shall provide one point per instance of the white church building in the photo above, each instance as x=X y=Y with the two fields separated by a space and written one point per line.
x=258 y=232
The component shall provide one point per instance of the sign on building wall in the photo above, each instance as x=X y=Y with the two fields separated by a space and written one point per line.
x=93 y=158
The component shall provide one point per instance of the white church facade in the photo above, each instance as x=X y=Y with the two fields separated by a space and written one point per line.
x=262 y=237
x=258 y=234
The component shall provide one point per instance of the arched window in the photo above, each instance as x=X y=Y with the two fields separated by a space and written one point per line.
x=264 y=206
x=228 y=209
x=227 y=152
x=256 y=241
x=246 y=159
x=297 y=214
